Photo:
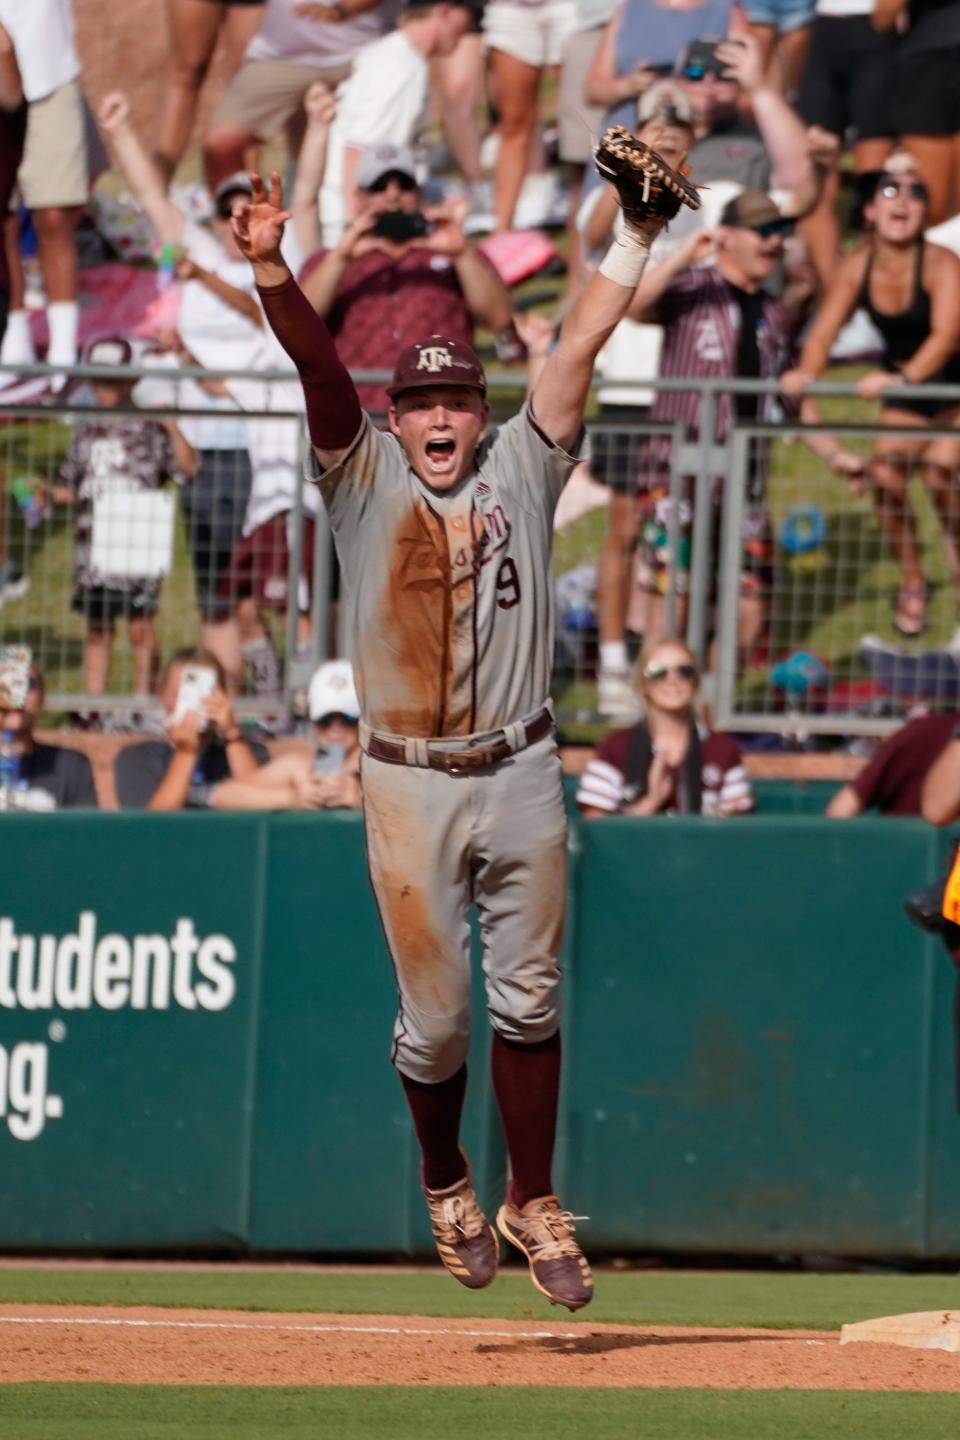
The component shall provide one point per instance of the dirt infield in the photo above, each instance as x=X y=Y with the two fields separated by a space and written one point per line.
x=216 y=1347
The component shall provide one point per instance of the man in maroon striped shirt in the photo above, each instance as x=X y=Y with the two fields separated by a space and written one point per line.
x=719 y=322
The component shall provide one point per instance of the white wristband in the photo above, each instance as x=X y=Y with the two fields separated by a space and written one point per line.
x=626 y=260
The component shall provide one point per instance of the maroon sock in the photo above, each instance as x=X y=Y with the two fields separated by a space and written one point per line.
x=526 y=1082
x=436 y=1111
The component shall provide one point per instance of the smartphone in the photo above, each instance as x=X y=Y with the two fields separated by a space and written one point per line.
x=15 y=661
x=700 y=58
x=197 y=683
x=328 y=759
x=398 y=225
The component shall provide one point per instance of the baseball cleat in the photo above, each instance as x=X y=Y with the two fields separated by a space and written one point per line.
x=466 y=1241
x=544 y=1232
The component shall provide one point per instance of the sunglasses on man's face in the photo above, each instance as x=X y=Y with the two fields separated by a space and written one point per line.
x=335 y=717
x=770 y=228
x=686 y=671
x=404 y=182
x=913 y=189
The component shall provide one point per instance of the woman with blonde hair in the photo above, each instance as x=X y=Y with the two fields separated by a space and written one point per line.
x=669 y=763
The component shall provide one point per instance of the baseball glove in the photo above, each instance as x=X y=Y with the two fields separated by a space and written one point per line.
x=650 y=191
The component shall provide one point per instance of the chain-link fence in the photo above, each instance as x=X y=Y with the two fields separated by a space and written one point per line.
x=134 y=527
x=855 y=613
x=218 y=541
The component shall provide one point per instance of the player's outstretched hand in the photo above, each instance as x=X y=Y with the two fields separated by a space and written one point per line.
x=257 y=225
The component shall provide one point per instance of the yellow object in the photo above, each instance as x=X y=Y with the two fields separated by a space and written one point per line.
x=951 y=892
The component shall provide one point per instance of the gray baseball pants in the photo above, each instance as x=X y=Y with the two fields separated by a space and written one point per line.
x=436 y=843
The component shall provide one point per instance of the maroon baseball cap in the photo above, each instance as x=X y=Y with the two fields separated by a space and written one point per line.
x=437 y=361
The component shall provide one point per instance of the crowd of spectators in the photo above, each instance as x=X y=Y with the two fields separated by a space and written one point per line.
x=827 y=139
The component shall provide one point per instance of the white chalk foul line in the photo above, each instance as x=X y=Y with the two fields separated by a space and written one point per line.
x=305 y=1329
x=133 y=1324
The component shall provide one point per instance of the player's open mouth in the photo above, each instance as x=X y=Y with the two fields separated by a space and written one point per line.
x=440 y=453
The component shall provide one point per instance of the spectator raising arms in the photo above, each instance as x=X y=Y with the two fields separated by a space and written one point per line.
x=668 y=763
x=194 y=27
x=645 y=39
x=911 y=291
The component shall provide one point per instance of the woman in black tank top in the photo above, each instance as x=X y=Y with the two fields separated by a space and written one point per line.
x=911 y=291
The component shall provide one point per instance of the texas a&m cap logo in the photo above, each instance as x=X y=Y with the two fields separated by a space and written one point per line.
x=437 y=361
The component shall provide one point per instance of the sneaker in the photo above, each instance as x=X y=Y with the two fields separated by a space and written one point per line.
x=616 y=697
x=544 y=1232
x=466 y=1241
x=13 y=583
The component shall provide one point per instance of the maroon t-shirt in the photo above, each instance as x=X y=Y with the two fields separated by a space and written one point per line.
x=384 y=305
x=13 y=128
x=726 y=788
x=892 y=781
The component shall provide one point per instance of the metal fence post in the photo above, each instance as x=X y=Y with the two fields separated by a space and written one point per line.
x=294 y=567
x=702 y=529
x=728 y=595
x=673 y=532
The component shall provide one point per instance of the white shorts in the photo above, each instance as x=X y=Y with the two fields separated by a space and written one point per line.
x=535 y=34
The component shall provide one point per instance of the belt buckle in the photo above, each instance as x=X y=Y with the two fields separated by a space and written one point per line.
x=455 y=761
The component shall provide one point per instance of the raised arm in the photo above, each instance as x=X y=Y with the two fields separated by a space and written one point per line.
x=783 y=132
x=334 y=415
x=650 y=195
x=139 y=170
x=320 y=108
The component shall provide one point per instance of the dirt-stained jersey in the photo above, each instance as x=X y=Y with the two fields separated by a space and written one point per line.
x=448 y=596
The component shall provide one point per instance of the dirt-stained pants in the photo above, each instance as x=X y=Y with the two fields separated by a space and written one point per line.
x=439 y=842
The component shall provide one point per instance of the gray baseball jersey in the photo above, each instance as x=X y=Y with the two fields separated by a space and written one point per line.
x=448 y=597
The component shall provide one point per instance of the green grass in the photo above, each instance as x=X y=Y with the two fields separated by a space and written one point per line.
x=764 y=1299
x=118 y=1412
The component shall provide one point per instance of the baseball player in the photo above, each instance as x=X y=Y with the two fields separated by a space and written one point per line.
x=444 y=531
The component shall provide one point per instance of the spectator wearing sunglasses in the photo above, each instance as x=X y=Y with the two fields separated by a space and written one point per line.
x=326 y=778
x=401 y=271
x=911 y=291
x=719 y=322
x=669 y=763
x=51 y=777
x=642 y=43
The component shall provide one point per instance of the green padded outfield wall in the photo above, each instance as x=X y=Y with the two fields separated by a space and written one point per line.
x=195 y=1017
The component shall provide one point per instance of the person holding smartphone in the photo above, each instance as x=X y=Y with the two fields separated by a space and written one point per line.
x=401 y=270
x=325 y=777
x=203 y=744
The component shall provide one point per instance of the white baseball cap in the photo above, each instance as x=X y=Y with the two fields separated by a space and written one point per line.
x=332 y=691
x=385 y=159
